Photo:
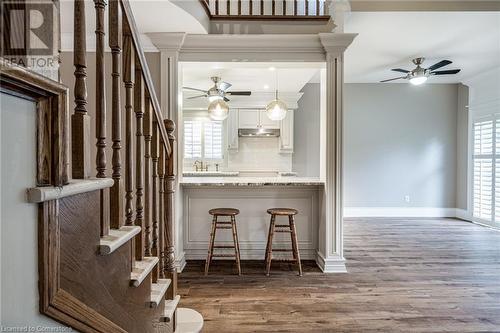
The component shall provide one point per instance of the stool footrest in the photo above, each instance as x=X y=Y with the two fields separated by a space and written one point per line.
x=224 y=222
x=282 y=226
x=282 y=250
x=223 y=227
x=282 y=230
x=223 y=246
x=284 y=259
x=223 y=255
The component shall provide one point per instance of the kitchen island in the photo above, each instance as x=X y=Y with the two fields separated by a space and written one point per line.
x=252 y=196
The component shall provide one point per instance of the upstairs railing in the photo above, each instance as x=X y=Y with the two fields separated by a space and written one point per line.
x=142 y=169
x=267 y=9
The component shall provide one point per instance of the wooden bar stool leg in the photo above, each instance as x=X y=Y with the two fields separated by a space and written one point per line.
x=270 y=247
x=295 y=245
x=268 y=243
x=211 y=244
x=236 y=244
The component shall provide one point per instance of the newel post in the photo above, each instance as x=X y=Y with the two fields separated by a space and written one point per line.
x=170 y=267
x=331 y=251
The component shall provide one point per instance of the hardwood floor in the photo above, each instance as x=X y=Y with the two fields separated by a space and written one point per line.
x=412 y=275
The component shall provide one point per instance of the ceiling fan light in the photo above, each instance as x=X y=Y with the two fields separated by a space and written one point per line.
x=276 y=110
x=218 y=110
x=418 y=80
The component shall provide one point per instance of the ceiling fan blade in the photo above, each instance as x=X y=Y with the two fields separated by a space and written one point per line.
x=195 y=89
x=193 y=97
x=450 y=71
x=400 y=70
x=226 y=99
x=396 y=78
x=239 y=93
x=440 y=64
x=224 y=86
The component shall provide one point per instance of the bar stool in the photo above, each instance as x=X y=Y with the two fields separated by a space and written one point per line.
x=290 y=227
x=216 y=224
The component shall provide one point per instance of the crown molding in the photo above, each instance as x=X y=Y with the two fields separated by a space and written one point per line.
x=336 y=43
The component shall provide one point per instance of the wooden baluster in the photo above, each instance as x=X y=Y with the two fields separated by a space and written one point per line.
x=284 y=7
x=261 y=7
x=147 y=176
x=161 y=213
x=100 y=90
x=116 y=202
x=307 y=7
x=155 y=195
x=239 y=7
x=170 y=269
x=317 y=7
x=139 y=157
x=128 y=79
x=216 y=7
x=100 y=105
x=228 y=8
x=250 y=8
x=80 y=120
x=294 y=7
x=274 y=7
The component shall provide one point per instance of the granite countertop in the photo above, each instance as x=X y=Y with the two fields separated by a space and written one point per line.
x=251 y=181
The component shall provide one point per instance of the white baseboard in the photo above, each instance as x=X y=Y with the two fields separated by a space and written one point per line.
x=330 y=265
x=248 y=254
x=399 y=212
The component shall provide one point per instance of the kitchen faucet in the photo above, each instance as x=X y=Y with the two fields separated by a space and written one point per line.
x=199 y=165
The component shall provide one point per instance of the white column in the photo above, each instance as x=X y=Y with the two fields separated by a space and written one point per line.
x=330 y=252
x=169 y=45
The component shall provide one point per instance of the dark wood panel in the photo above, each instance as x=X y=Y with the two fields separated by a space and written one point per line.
x=420 y=275
x=101 y=282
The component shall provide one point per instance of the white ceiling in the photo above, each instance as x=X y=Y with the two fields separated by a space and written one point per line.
x=391 y=39
x=257 y=77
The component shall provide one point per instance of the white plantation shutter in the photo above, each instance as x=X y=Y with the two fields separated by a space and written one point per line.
x=486 y=170
x=213 y=140
x=192 y=139
x=203 y=139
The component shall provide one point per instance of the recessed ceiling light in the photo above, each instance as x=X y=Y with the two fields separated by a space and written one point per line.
x=272 y=68
x=266 y=86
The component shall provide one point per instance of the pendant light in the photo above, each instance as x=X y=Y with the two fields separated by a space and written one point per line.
x=276 y=110
x=218 y=109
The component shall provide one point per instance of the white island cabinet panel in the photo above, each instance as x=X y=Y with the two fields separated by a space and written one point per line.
x=253 y=220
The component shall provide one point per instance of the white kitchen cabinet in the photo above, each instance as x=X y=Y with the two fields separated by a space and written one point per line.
x=286 y=133
x=248 y=118
x=265 y=122
x=232 y=130
x=256 y=118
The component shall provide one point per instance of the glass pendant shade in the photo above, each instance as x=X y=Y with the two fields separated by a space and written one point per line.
x=276 y=110
x=218 y=110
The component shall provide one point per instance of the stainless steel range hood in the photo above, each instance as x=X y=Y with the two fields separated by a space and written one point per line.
x=259 y=132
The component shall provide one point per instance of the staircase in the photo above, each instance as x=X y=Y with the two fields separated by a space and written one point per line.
x=106 y=243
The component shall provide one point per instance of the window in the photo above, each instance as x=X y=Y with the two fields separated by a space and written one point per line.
x=486 y=169
x=203 y=139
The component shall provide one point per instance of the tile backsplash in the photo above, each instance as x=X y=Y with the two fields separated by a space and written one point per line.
x=259 y=154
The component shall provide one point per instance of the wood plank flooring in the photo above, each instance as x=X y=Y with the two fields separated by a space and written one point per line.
x=412 y=275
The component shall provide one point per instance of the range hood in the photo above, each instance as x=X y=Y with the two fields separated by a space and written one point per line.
x=259 y=132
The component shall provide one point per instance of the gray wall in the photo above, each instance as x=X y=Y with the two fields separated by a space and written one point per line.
x=307 y=120
x=18 y=230
x=400 y=140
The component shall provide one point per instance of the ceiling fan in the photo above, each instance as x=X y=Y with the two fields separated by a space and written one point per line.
x=218 y=91
x=419 y=75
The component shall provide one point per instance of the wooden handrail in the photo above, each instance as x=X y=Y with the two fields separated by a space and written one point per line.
x=148 y=81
